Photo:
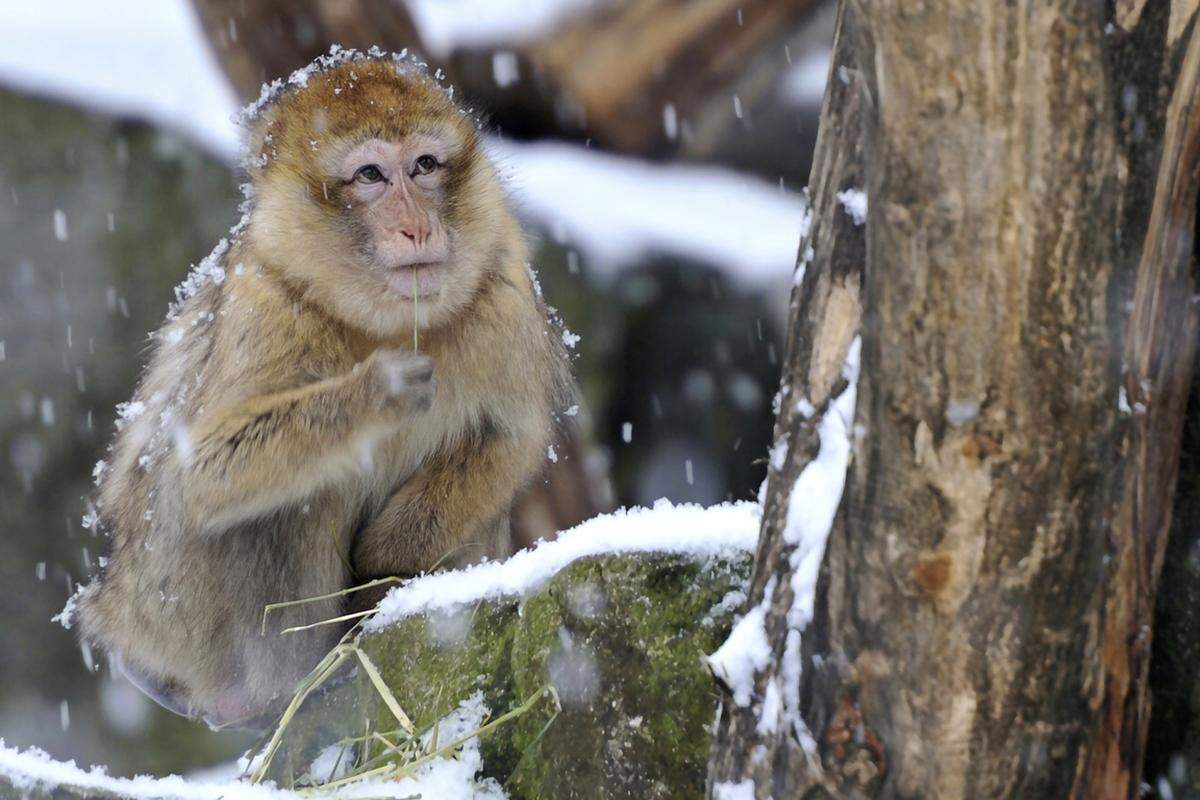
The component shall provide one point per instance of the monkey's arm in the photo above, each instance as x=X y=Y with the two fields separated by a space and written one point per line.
x=273 y=449
x=453 y=506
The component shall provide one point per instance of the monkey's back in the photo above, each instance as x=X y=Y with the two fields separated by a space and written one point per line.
x=179 y=599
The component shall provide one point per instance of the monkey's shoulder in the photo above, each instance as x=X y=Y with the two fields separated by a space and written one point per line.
x=265 y=336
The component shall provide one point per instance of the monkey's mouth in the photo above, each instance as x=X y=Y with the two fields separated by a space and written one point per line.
x=422 y=279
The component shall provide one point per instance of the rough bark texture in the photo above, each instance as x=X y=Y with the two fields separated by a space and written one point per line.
x=983 y=620
x=1156 y=70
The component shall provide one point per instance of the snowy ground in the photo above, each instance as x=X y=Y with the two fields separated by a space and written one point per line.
x=442 y=778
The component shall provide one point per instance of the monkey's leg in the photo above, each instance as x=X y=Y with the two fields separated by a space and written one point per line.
x=276 y=449
x=453 y=511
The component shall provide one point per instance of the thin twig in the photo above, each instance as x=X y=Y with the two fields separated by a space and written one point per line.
x=384 y=692
x=287 y=603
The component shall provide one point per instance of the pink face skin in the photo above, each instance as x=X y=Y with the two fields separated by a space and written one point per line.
x=397 y=187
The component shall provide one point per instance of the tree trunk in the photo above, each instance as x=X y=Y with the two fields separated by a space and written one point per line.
x=983 y=615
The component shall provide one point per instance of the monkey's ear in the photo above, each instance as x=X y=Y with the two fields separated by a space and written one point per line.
x=262 y=139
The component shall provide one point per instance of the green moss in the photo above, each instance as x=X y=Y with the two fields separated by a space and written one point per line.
x=431 y=664
x=621 y=639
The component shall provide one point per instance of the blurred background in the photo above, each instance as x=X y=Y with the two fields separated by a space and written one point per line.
x=655 y=150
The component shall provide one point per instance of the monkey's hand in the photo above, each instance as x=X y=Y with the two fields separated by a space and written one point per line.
x=399 y=381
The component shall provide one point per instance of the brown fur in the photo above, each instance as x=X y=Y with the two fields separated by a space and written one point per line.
x=270 y=449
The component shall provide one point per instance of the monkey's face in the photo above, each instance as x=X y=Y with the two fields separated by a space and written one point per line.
x=374 y=197
x=397 y=193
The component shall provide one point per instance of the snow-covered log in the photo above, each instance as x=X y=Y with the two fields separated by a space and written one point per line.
x=616 y=616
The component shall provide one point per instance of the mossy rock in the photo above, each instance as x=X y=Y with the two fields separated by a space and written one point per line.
x=621 y=639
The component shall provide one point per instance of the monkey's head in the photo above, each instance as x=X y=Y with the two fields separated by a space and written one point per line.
x=373 y=197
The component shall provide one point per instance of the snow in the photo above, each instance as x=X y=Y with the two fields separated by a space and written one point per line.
x=746 y=652
x=573 y=671
x=777 y=455
x=446 y=778
x=209 y=270
x=449 y=25
x=960 y=412
x=33 y=769
x=670 y=122
x=812 y=506
x=806 y=257
x=124 y=57
x=505 y=69
x=742 y=790
x=804 y=82
x=126 y=412
x=817 y=492
x=855 y=203
x=66 y=617
x=726 y=530
x=619 y=209
x=772 y=707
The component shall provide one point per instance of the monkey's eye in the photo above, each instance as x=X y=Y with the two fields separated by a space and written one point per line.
x=425 y=164
x=368 y=174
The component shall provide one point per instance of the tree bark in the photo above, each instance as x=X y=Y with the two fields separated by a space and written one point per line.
x=268 y=39
x=983 y=617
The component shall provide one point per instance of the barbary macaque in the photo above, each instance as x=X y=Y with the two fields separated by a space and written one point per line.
x=355 y=387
